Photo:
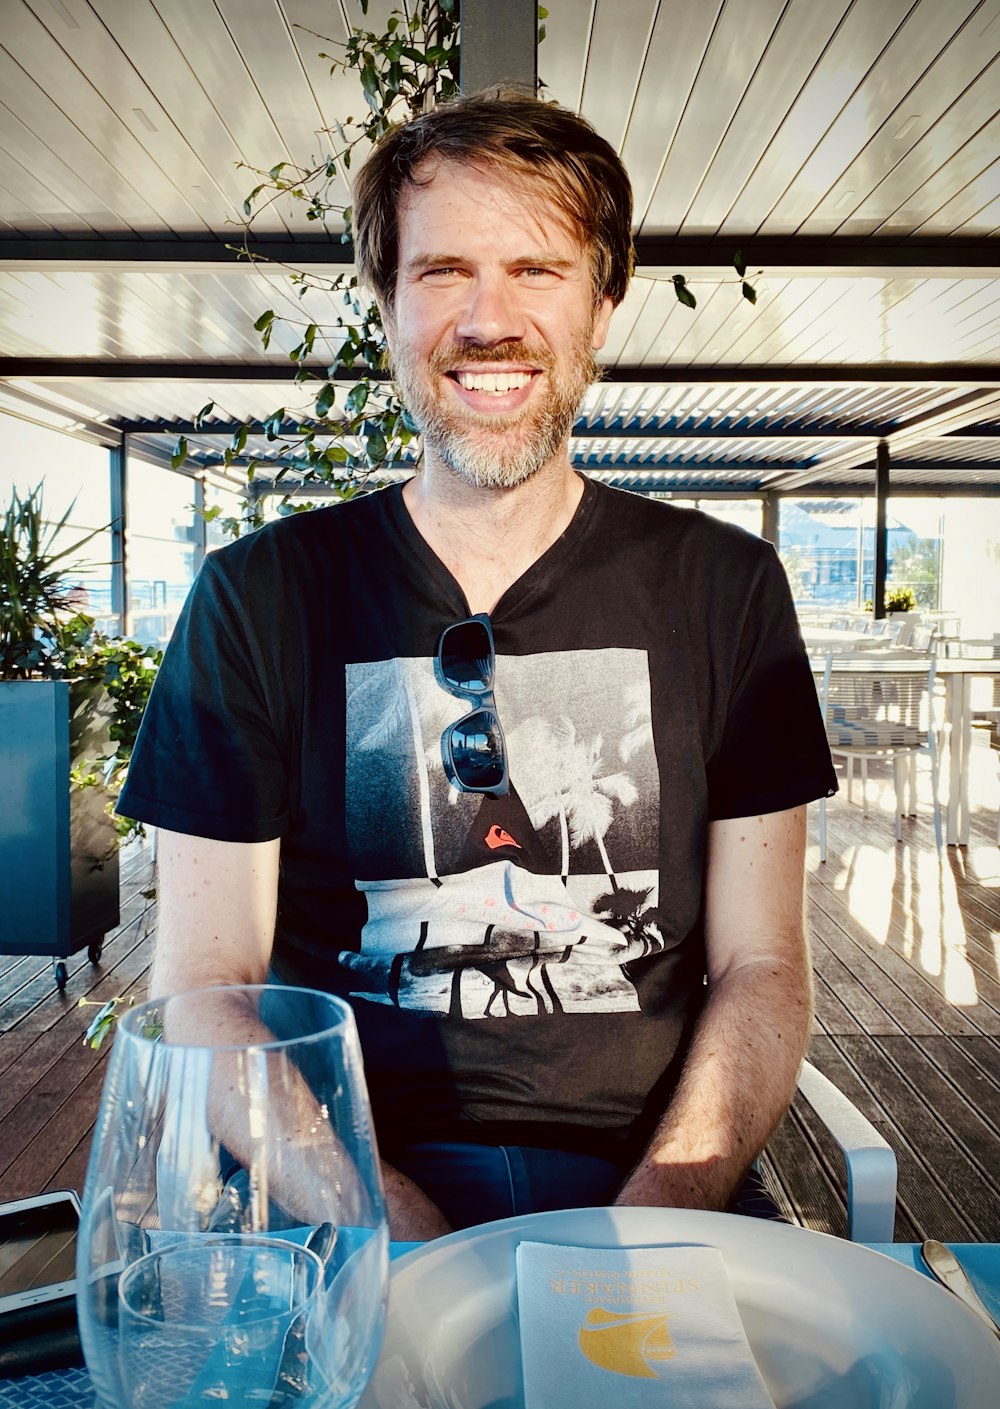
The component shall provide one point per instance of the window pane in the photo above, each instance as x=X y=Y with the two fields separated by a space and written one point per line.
x=914 y=530
x=231 y=505
x=745 y=513
x=160 y=547
x=74 y=476
x=819 y=544
x=160 y=577
x=160 y=502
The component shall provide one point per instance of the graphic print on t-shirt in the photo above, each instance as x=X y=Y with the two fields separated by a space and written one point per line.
x=537 y=902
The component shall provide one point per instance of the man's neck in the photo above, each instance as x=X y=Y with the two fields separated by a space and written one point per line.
x=487 y=538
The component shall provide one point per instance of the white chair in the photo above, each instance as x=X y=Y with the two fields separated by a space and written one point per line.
x=923 y=636
x=881 y=708
x=870 y=1161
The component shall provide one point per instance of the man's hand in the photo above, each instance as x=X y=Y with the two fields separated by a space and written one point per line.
x=741 y=1070
x=413 y=1217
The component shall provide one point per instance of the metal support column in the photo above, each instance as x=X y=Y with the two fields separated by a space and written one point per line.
x=200 y=526
x=118 y=465
x=769 y=516
x=499 y=44
x=881 y=539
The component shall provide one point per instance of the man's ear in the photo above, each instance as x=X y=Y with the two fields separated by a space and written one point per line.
x=602 y=321
x=387 y=321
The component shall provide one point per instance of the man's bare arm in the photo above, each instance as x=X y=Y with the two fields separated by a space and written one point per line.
x=217 y=905
x=742 y=1067
x=217 y=902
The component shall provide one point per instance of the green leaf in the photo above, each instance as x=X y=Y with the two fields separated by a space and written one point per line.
x=248 y=203
x=239 y=440
x=326 y=399
x=739 y=263
x=206 y=410
x=749 y=292
x=180 y=454
x=684 y=294
x=543 y=13
x=264 y=321
x=273 y=424
x=357 y=397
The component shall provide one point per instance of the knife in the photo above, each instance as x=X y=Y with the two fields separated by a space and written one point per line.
x=946 y=1267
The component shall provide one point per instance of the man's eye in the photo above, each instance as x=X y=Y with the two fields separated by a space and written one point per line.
x=446 y=271
x=537 y=273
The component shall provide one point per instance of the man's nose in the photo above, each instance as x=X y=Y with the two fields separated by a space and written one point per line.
x=491 y=314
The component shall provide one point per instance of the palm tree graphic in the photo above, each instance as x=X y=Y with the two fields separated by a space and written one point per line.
x=563 y=776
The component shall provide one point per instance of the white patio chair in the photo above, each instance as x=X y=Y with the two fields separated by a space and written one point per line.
x=923 y=637
x=881 y=708
x=870 y=1161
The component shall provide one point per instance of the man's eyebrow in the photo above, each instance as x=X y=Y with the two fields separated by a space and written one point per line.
x=421 y=262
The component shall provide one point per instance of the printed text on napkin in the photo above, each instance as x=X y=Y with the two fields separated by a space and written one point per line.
x=630 y=1323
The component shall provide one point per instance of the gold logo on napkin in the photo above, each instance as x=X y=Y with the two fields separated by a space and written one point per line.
x=628 y=1343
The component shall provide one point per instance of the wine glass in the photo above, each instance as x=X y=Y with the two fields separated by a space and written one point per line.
x=234 y=1243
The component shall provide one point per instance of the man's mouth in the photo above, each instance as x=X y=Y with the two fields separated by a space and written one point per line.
x=498 y=383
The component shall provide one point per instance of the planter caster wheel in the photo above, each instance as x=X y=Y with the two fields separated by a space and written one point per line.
x=95 y=950
x=61 y=974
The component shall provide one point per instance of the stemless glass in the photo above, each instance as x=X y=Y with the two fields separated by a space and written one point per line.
x=234 y=1243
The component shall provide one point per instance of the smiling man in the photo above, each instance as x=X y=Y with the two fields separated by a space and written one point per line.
x=495 y=755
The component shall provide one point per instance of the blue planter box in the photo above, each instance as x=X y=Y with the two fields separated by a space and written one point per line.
x=58 y=848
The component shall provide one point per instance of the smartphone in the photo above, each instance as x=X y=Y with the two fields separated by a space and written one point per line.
x=38 y=1250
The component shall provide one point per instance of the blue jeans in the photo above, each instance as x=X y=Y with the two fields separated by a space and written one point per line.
x=478 y=1183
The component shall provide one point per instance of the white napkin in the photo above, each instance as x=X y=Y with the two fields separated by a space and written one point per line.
x=632 y=1327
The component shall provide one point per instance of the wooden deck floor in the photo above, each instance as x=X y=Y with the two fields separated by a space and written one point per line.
x=907 y=961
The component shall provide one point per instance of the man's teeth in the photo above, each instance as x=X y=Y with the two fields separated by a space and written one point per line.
x=493 y=381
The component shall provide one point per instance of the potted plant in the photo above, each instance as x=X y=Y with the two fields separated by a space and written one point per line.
x=70 y=700
x=900 y=599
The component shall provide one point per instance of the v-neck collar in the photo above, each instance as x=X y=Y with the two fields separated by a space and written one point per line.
x=520 y=592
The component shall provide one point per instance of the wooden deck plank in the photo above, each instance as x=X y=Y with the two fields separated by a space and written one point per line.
x=45 y=1050
x=935 y=1179
x=948 y=1000
x=863 y=1012
x=902 y=1000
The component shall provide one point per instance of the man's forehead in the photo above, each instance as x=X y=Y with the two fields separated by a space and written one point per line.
x=531 y=195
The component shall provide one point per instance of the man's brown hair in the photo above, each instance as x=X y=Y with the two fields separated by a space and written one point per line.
x=511 y=133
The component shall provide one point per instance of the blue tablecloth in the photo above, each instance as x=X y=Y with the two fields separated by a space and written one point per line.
x=70 y=1389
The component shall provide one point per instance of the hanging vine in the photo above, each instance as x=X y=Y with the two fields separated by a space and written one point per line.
x=342 y=438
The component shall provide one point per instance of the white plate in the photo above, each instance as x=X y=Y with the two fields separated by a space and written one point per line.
x=831 y=1324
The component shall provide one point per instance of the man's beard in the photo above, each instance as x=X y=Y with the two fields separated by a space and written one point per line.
x=496 y=452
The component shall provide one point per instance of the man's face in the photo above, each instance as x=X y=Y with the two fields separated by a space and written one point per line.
x=494 y=326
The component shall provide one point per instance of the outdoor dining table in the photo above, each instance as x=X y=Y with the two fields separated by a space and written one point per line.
x=71 y=1389
x=956 y=674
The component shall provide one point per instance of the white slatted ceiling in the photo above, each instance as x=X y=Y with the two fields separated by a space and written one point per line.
x=734 y=116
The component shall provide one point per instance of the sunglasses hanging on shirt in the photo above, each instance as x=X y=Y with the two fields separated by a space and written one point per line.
x=472 y=749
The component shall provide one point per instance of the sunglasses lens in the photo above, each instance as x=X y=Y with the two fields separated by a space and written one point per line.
x=467 y=657
x=477 y=750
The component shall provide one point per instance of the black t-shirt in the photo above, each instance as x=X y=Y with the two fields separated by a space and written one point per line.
x=520 y=968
